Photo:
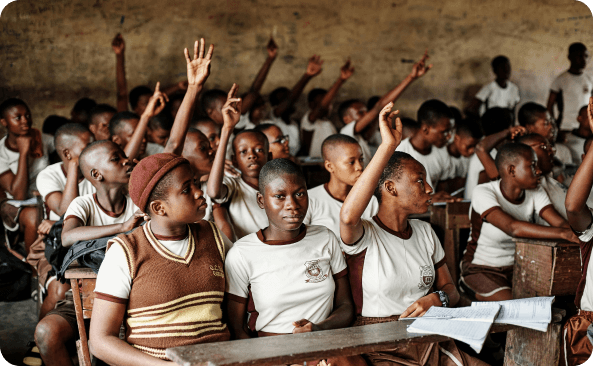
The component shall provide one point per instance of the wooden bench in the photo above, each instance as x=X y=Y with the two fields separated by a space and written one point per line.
x=450 y=218
x=542 y=268
x=298 y=348
x=83 y=282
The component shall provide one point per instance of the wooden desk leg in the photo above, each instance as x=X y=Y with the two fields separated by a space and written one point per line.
x=451 y=248
x=85 y=360
x=531 y=347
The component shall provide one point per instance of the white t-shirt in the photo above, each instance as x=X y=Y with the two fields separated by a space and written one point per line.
x=244 y=123
x=473 y=173
x=243 y=209
x=437 y=163
x=399 y=271
x=88 y=210
x=576 y=90
x=563 y=153
x=576 y=145
x=291 y=130
x=114 y=277
x=322 y=129
x=366 y=150
x=587 y=298
x=492 y=95
x=9 y=161
x=52 y=179
x=208 y=214
x=495 y=248
x=459 y=166
x=152 y=148
x=557 y=193
x=289 y=280
x=324 y=210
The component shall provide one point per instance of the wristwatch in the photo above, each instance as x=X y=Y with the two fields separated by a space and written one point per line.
x=443 y=297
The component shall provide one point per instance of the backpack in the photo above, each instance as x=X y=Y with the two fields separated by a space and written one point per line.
x=54 y=251
x=88 y=253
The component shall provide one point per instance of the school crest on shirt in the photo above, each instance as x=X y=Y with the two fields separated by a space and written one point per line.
x=426 y=277
x=314 y=272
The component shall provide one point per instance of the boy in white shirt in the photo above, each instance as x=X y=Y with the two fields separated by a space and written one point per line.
x=467 y=135
x=500 y=92
x=571 y=89
x=575 y=140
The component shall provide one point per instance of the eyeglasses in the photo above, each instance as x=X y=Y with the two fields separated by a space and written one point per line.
x=281 y=140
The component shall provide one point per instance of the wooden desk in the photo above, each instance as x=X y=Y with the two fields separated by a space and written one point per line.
x=542 y=268
x=297 y=348
x=83 y=281
x=450 y=218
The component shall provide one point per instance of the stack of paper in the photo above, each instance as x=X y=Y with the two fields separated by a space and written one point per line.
x=534 y=313
x=470 y=325
x=17 y=203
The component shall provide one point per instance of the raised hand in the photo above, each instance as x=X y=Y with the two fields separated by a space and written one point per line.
x=420 y=68
x=314 y=66
x=272 y=48
x=391 y=136
x=346 y=71
x=118 y=44
x=198 y=69
x=156 y=103
x=590 y=113
x=135 y=221
x=517 y=131
x=231 y=110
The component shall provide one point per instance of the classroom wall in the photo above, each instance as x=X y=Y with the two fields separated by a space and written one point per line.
x=56 y=51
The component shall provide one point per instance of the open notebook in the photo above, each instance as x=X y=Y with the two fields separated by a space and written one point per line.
x=534 y=313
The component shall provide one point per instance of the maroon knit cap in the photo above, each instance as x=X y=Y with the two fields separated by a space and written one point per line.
x=147 y=173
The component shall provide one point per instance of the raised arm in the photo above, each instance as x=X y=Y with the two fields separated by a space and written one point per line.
x=18 y=184
x=231 y=113
x=321 y=110
x=484 y=147
x=313 y=69
x=579 y=215
x=357 y=200
x=198 y=71
x=251 y=96
x=418 y=70
x=119 y=48
x=155 y=105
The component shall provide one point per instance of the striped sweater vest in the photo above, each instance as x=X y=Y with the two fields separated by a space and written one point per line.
x=174 y=301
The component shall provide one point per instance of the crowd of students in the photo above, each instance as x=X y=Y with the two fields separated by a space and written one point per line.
x=216 y=235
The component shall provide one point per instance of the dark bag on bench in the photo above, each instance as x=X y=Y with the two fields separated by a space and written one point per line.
x=89 y=253
x=54 y=251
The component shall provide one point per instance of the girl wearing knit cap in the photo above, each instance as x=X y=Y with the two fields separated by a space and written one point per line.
x=157 y=277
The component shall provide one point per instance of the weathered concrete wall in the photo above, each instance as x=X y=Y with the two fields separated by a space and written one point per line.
x=56 y=51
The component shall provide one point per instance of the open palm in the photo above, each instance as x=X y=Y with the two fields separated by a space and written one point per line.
x=198 y=69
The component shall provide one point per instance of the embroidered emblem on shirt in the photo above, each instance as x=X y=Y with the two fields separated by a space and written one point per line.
x=426 y=277
x=314 y=272
x=217 y=270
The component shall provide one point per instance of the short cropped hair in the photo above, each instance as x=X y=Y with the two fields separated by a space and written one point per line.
x=83 y=107
x=163 y=121
x=278 y=167
x=264 y=127
x=315 y=93
x=86 y=153
x=499 y=61
x=433 y=110
x=470 y=128
x=210 y=96
x=9 y=103
x=260 y=135
x=576 y=47
x=509 y=153
x=331 y=141
x=393 y=170
x=137 y=92
x=65 y=132
x=52 y=123
x=343 y=108
x=528 y=113
x=100 y=109
x=117 y=121
x=530 y=137
x=496 y=120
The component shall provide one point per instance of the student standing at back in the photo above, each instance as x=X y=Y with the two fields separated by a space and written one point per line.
x=499 y=93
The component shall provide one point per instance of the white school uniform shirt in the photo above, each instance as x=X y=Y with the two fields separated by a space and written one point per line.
x=289 y=280
x=208 y=215
x=152 y=148
x=9 y=161
x=322 y=129
x=494 y=247
x=53 y=179
x=401 y=268
x=243 y=209
x=291 y=129
x=576 y=90
x=473 y=174
x=366 y=150
x=114 y=277
x=587 y=298
x=324 y=209
x=576 y=145
x=437 y=163
x=89 y=211
x=459 y=166
x=492 y=95
x=557 y=193
x=563 y=153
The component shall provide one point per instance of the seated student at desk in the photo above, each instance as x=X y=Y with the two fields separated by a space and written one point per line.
x=394 y=261
x=503 y=209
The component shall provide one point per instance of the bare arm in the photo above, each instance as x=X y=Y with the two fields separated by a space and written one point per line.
x=58 y=202
x=119 y=47
x=104 y=342
x=553 y=218
x=223 y=221
x=198 y=71
x=443 y=282
x=313 y=69
x=321 y=110
x=237 y=323
x=484 y=147
x=523 y=229
x=251 y=96
x=350 y=224
x=18 y=184
x=74 y=230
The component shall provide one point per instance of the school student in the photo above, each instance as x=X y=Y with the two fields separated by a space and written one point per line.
x=501 y=92
x=279 y=143
x=467 y=135
x=393 y=261
x=575 y=140
x=343 y=159
x=503 y=209
x=577 y=346
x=99 y=119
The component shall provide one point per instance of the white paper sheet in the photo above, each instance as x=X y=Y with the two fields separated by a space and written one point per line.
x=534 y=313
